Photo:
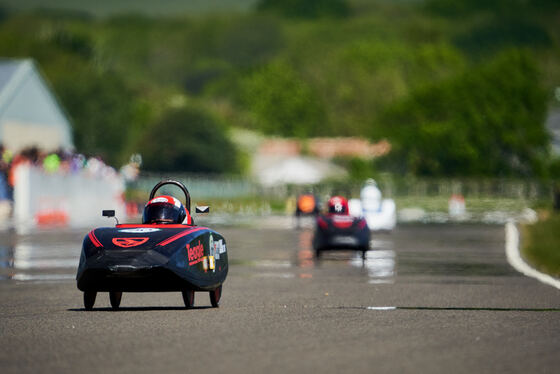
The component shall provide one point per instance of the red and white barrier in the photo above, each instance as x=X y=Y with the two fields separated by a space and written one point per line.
x=65 y=199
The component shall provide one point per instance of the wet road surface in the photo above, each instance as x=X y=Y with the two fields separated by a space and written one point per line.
x=428 y=298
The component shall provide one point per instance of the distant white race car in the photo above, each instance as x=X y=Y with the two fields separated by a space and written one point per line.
x=380 y=214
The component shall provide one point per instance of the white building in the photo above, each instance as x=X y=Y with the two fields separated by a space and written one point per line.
x=29 y=112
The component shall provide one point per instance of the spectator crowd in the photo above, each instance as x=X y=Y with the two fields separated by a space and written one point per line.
x=60 y=162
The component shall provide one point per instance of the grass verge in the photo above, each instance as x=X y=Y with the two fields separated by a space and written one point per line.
x=541 y=244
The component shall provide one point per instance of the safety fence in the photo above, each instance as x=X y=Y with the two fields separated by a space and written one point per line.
x=64 y=199
x=209 y=186
x=199 y=185
x=77 y=199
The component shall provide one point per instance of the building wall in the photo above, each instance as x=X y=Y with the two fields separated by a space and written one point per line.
x=30 y=114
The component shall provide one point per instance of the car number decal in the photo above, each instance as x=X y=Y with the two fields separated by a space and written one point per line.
x=140 y=230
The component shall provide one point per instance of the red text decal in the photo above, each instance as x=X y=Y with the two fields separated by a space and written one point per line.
x=195 y=253
x=129 y=242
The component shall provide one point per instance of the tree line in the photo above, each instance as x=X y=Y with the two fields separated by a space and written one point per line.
x=458 y=87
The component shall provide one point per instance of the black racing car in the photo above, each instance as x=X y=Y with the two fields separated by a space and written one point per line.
x=167 y=252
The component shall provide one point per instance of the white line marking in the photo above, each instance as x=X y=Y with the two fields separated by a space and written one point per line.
x=42 y=277
x=381 y=308
x=515 y=260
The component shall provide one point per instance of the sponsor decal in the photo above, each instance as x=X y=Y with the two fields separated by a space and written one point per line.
x=129 y=242
x=195 y=253
x=140 y=230
x=212 y=252
x=205 y=263
x=222 y=246
x=217 y=247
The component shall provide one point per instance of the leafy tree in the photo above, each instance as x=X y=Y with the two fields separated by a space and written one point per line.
x=367 y=76
x=100 y=103
x=329 y=75
x=249 y=41
x=242 y=44
x=102 y=108
x=188 y=139
x=306 y=8
x=488 y=121
x=358 y=169
x=501 y=33
x=4 y=13
x=462 y=8
x=282 y=102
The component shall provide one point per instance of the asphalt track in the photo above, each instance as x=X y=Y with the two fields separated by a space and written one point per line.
x=428 y=299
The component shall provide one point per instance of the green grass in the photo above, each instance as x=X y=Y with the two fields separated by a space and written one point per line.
x=250 y=206
x=541 y=244
x=473 y=204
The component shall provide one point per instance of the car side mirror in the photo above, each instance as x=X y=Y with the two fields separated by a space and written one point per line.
x=109 y=213
x=203 y=209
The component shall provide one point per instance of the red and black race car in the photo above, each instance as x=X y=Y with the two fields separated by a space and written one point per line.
x=167 y=252
x=339 y=230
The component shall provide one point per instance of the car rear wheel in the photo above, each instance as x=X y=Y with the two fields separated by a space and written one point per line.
x=89 y=299
x=188 y=298
x=215 y=297
x=115 y=298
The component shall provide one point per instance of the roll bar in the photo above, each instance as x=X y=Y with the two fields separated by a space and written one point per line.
x=175 y=183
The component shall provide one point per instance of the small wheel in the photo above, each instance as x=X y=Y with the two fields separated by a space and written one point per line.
x=317 y=253
x=188 y=298
x=115 y=298
x=215 y=297
x=89 y=299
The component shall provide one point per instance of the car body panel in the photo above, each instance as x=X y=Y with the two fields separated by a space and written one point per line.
x=141 y=258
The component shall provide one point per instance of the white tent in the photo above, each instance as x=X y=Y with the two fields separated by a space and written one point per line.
x=29 y=112
x=272 y=170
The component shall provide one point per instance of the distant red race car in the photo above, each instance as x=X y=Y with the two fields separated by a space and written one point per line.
x=339 y=230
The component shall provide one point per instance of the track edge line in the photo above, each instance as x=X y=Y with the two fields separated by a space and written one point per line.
x=516 y=261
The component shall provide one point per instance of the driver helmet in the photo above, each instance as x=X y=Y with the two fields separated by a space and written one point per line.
x=338 y=205
x=165 y=209
x=306 y=203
